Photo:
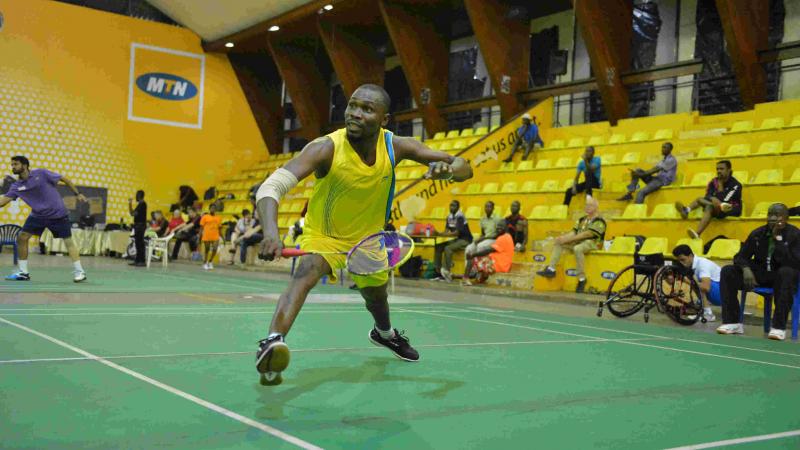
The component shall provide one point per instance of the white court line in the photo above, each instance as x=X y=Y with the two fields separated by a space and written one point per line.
x=760 y=438
x=622 y=342
x=310 y=350
x=206 y=404
x=197 y=313
x=738 y=347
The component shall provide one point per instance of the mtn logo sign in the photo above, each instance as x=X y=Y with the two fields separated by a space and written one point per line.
x=166 y=86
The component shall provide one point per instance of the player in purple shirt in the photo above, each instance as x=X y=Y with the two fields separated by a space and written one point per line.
x=38 y=188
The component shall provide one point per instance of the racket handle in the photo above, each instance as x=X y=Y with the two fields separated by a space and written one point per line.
x=292 y=252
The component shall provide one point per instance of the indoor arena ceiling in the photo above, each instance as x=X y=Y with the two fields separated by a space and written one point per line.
x=213 y=19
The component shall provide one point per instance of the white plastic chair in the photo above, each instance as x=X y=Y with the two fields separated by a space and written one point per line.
x=159 y=245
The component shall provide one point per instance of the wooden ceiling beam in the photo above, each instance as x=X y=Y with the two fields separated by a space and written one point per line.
x=607 y=28
x=746 y=27
x=506 y=54
x=355 y=61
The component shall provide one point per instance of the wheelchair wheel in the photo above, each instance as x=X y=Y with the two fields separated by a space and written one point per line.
x=628 y=292
x=678 y=295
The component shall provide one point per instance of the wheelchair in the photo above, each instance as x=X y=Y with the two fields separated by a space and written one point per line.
x=653 y=282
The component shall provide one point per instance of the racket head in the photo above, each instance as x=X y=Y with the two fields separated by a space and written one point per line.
x=380 y=252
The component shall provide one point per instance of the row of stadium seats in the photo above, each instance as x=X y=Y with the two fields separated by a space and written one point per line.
x=465 y=133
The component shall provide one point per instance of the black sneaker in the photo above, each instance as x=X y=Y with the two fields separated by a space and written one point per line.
x=626 y=197
x=581 y=286
x=547 y=272
x=272 y=358
x=398 y=345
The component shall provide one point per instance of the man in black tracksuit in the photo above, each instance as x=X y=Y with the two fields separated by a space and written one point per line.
x=769 y=258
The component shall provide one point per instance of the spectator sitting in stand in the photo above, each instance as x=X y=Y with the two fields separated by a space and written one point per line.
x=517 y=227
x=499 y=259
x=187 y=232
x=590 y=167
x=175 y=221
x=662 y=174
x=158 y=223
x=456 y=227
x=723 y=199
x=527 y=135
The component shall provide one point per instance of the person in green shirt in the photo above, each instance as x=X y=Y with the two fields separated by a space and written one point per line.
x=587 y=235
x=488 y=233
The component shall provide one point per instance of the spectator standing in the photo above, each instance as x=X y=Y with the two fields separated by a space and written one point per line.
x=210 y=224
x=139 y=213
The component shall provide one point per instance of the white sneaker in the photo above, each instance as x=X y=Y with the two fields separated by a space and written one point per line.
x=730 y=328
x=79 y=276
x=776 y=334
x=446 y=275
x=210 y=266
x=205 y=266
x=709 y=315
x=518 y=247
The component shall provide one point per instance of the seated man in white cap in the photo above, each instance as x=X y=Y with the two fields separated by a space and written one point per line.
x=527 y=135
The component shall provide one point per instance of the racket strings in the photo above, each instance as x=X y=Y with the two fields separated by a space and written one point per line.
x=379 y=253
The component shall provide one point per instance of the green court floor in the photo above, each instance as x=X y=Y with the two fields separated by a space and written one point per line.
x=146 y=373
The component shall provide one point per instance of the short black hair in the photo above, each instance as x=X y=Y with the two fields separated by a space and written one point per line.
x=22 y=160
x=682 y=250
x=458 y=203
x=140 y=193
x=245 y=212
x=668 y=144
x=726 y=162
x=387 y=101
x=489 y=201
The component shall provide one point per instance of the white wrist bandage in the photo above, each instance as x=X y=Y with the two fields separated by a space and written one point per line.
x=277 y=185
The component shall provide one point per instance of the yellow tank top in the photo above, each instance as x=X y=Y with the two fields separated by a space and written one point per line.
x=353 y=200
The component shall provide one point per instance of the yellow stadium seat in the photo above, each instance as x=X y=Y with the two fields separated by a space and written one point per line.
x=482 y=131
x=539 y=212
x=795 y=176
x=631 y=158
x=472 y=140
x=616 y=139
x=489 y=188
x=543 y=164
x=416 y=173
x=664 y=211
x=459 y=144
x=525 y=165
x=662 y=134
x=708 y=153
x=440 y=212
x=506 y=167
x=558 y=212
x=742 y=175
x=772 y=123
x=724 y=249
x=608 y=159
x=738 y=150
x=558 y=143
x=795 y=148
x=509 y=187
x=550 y=186
x=623 y=244
x=640 y=136
x=284 y=207
x=432 y=145
x=769 y=176
x=473 y=212
x=575 y=142
x=760 y=211
x=445 y=146
x=701 y=179
x=770 y=148
x=296 y=207
x=401 y=174
x=741 y=126
x=417 y=138
x=795 y=122
x=473 y=188
x=634 y=211
x=283 y=222
x=596 y=140
x=530 y=186
x=467 y=132
x=654 y=245
x=695 y=244
x=564 y=162
x=439 y=136
x=452 y=134
x=566 y=184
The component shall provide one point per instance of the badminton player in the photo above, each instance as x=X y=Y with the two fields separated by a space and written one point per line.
x=38 y=188
x=352 y=197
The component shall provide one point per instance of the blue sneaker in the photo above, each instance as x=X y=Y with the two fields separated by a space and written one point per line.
x=19 y=276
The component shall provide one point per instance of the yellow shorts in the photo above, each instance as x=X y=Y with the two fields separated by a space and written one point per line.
x=314 y=242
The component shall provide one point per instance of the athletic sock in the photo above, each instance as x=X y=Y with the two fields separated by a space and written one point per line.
x=385 y=334
x=77 y=266
x=272 y=335
x=23 y=265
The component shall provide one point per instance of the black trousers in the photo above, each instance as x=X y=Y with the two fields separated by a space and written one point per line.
x=138 y=240
x=590 y=183
x=783 y=282
x=182 y=237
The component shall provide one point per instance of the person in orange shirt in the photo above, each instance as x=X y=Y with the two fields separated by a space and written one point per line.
x=210 y=223
x=499 y=259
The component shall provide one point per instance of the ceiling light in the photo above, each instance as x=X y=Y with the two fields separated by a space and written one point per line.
x=327 y=7
x=229 y=45
x=274 y=28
